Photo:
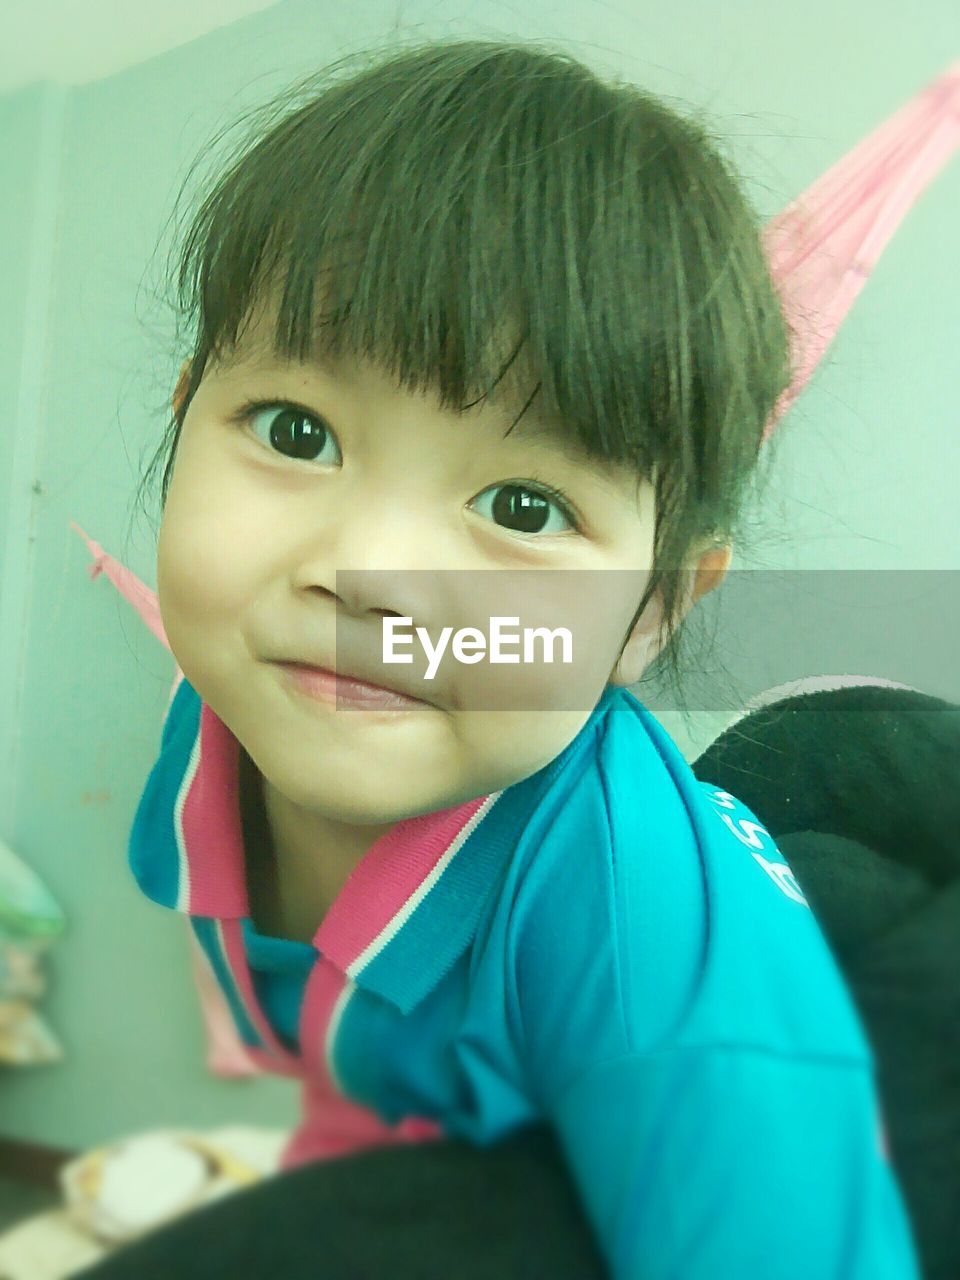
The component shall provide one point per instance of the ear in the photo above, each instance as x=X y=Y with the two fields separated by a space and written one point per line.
x=180 y=391
x=705 y=570
x=710 y=570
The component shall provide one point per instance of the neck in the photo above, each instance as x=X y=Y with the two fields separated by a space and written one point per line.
x=296 y=859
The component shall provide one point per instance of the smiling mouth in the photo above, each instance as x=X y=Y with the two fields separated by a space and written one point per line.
x=328 y=686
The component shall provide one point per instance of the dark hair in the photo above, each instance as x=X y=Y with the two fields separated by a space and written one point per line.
x=458 y=195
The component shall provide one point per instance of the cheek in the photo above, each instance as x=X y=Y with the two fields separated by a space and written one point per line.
x=574 y=622
x=196 y=572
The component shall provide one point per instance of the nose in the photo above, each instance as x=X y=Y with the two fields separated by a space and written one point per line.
x=377 y=555
x=379 y=584
x=381 y=592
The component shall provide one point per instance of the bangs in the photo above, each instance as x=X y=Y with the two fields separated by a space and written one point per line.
x=494 y=222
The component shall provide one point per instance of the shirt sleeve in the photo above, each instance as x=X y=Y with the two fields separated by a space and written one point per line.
x=694 y=1164
x=690 y=1038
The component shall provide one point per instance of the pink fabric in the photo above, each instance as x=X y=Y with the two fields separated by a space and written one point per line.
x=214 y=885
x=128 y=584
x=385 y=888
x=821 y=249
x=226 y=1055
x=332 y=1124
x=370 y=901
x=234 y=953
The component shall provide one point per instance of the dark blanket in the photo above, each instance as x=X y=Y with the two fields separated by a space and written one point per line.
x=861 y=789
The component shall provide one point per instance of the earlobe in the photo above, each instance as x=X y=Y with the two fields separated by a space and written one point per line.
x=711 y=570
x=640 y=648
x=638 y=653
x=643 y=644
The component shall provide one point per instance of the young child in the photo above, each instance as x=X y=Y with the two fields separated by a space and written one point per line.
x=473 y=309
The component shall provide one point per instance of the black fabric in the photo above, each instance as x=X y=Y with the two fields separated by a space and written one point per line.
x=861 y=789
x=874 y=764
x=440 y=1211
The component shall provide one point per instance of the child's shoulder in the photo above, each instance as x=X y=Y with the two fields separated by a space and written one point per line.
x=676 y=900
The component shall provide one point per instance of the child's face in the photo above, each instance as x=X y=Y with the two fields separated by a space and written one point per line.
x=253 y=535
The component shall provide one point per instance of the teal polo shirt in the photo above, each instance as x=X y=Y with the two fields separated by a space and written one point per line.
x=610 y=947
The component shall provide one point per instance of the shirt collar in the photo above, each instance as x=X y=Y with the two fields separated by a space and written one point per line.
x=408 y=909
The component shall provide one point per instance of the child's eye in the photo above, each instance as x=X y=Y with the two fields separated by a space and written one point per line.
x=522 y=508
x=299 y=434
x=290 y=428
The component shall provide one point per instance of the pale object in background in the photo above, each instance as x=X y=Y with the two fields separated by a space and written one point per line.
x=28 y=910
x=20 y=974
x=25 y=1038
x=821 y=248
x=30 y=922
x=119 y=1191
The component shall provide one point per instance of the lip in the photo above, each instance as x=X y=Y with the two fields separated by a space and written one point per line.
x=339 y=690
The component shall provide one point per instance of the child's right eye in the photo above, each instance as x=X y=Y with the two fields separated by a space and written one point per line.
x=291 y=429
x=298 y=433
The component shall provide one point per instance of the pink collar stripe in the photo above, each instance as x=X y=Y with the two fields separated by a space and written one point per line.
x=390 y=882
x=208 y=829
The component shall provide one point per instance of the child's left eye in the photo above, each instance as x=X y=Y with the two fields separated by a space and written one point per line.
x=525 y=509
x=291 y=427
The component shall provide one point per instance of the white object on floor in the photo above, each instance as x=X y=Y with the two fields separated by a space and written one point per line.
x=117 y=1192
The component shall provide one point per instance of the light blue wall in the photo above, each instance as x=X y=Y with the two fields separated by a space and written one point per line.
x=20 y=123
x=866 y=473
